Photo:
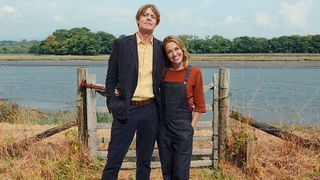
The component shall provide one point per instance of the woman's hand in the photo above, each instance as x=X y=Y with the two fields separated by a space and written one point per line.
x=116 y=92
x=193 y=124
x=195 y=119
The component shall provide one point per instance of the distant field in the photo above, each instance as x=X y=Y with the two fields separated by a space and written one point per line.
x=196 y=57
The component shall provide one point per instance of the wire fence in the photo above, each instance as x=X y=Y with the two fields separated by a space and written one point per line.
x=269 y=95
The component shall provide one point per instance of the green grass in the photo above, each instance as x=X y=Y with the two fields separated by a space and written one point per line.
x=56 y=118
x=104 y=118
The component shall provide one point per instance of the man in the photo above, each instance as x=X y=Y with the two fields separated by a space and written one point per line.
x=133 y=94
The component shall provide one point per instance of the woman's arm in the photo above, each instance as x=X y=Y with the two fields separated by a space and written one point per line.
x=195 y=119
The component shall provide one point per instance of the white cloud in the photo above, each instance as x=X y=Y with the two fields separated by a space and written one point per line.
x=8 y=12
x=59 y=19
x=296 y=14
x=231 y=20
x=263 y=19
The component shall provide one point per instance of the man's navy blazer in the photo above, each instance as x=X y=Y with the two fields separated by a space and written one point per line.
x=123 y=74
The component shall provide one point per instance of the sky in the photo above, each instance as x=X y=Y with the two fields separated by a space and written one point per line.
x=37 y=19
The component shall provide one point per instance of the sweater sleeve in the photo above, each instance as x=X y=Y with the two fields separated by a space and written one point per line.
x=198 y=93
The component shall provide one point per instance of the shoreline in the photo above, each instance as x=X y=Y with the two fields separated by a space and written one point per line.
x=244 y=61
x=243 y=64
x=194 y=57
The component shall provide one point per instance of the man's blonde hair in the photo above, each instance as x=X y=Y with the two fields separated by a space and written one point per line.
x=143 y=9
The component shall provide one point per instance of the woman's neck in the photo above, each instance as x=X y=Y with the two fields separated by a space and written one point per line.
x=177 y=67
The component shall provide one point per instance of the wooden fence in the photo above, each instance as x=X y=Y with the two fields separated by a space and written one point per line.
x=88 y=128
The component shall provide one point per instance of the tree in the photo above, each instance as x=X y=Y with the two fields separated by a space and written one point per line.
x=104 y=42
x=49 y=45
x=81 y=41
x=218 y=44
x=191 y=42
x=314 y=44
x=34 y=48
x=61 y=34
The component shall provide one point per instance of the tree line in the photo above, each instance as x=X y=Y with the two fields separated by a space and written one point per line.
x=81 y=41
x=16 y=47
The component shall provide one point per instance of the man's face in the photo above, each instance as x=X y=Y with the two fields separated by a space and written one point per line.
x=147 y=21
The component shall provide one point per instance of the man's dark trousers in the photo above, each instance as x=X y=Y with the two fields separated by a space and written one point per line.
x=144 y=121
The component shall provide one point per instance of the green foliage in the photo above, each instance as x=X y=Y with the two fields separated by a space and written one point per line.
x=81 y=41
x=104 y=118
x=77 y=41
x=217 y=174
x=211 y=174
x=236 y=146
x=247 y=44
x=57 y=118
x=16 y=47
x=134 y=173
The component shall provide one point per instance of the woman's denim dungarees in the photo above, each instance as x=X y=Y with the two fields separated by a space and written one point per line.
x=176 y=132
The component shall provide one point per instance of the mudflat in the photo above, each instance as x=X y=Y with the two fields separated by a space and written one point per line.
x=201 y=60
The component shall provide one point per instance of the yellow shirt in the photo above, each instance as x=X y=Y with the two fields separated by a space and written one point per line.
x=144 y=88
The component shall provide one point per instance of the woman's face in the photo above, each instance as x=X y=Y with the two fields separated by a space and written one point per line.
x=175 y=55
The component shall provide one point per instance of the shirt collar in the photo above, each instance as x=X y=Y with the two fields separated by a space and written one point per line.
x=140 y=41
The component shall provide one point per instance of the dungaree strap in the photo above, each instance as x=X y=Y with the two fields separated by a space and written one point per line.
x=165 y=72
x=186 y=76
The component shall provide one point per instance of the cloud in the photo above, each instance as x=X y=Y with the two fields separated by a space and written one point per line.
x=8 y=12
x=263 y=19
x=296 y=14
x=59 y=19
x=231 y=20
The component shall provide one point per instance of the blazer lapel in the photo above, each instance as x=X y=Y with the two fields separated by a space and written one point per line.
x=134 y=52
x=155 y=58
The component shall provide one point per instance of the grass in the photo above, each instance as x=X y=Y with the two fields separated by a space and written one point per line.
x=13 y=113
x=195 y=57
x=63 y=157
x=104 y=118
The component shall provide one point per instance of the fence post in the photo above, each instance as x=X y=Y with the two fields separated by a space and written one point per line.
x=215 y=122
x=250 y=149
x=81 y=76
x=224 y=81
x=91 y=115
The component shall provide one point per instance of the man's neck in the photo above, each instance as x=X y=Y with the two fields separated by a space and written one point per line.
x=145 y=37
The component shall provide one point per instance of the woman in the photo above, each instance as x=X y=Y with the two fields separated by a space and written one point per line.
x=183 y=102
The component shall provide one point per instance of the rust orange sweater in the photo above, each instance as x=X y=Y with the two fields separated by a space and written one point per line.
x=195 y=92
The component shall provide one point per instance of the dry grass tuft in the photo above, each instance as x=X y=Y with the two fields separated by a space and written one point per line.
x=13 y=113
x=236 y=146
x=59 y=157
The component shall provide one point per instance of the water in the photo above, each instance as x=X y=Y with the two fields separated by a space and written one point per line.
x=271 y=95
